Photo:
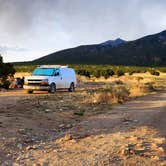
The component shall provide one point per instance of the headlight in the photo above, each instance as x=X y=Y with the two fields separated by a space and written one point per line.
x=45 y=82
x=26 y=82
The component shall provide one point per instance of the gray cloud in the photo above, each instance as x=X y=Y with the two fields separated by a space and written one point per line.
x=82 y=18
x=100 y=20
x=4 y=49
x=67 y=23
x=17 y=16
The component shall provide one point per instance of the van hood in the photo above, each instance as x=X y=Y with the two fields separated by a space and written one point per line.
x=37 y=77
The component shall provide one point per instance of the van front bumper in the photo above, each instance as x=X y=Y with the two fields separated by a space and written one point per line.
x=31 y=87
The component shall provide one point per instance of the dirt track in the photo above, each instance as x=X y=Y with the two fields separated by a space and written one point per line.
x=33 y=129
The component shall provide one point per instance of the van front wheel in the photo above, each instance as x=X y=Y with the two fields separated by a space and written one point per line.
x=72 y=88
x=52 y=88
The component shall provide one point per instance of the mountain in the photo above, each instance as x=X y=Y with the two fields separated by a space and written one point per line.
x=147 y=51
x=114 y=43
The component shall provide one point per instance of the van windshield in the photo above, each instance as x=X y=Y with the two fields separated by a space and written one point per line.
x=43 y=72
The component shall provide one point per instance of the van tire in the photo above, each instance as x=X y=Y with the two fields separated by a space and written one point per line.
x=30 y=91
x=52 y=88
x=72 y=87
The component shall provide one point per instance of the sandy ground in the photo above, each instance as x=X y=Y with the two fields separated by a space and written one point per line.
x=43 y=129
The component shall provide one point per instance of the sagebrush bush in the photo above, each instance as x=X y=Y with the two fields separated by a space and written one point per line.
x=108 y=73
x=6 y=70
x=131 y=72
x=83 y=72
x=5 y=84
x=108 y=95
x=120 y=73
x=153 y=72
x=97 y=74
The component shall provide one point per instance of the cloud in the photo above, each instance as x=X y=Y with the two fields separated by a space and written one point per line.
x=50 y=25
x=6 y=48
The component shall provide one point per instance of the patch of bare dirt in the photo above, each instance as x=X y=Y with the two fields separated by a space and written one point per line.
x=43 y=129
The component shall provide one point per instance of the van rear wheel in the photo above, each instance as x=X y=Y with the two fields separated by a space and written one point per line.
x=52 y=88
x=72 y=87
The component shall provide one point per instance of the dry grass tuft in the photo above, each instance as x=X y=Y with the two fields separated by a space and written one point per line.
x=141 y=89
x=109 y=95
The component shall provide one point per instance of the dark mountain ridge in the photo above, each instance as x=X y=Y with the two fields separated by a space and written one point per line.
x=146 y=51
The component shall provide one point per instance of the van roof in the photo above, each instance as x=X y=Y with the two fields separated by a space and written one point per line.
x=52 y=66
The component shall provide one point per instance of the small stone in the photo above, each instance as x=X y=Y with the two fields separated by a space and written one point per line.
x=159 y=140
x=160 y=149
x=68 y=125
x=67 y=137
x=18 y=158
x=37 y=164
x=45 y=164
x=31 y=147
x=28 y=147
x=73 y=141
x=155 y=158
x=133 y=138
x=162 y=158
x=62 y=125
x=140 y=152
x=47 y=110
x=19 y=146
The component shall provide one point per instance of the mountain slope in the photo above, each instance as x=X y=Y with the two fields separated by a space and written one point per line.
x=114 y=43
x=147 y=51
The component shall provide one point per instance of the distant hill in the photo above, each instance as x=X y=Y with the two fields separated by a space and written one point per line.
x=147 y=51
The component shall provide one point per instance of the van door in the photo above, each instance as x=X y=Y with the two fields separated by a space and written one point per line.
x=64 y=73
x=58 y=79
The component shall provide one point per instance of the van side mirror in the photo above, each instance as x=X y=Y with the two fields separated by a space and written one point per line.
x=56 y=74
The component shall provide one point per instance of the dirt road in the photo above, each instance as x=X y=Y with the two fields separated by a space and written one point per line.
x=44 y=129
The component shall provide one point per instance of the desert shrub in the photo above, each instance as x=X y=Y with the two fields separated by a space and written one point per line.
x=83 y=72
x=108 y=73
x=138 y=71
x=148 y=87
x=109 y=95
x=119 y=73
x=153 y=72
x=79 y=72
x=141 y=89
x=87 y=73
x=105 y=74
x=6 y=70
x=5 y=84
x=97 y=74
x=120 y=94
x=131 y=72
x=143 y=71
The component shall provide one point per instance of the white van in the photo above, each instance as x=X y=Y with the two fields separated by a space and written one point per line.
x=51 y=78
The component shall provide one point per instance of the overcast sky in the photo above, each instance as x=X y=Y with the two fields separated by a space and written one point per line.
x=33 y=28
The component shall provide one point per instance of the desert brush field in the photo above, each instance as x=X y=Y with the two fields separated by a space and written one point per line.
x=119 y=120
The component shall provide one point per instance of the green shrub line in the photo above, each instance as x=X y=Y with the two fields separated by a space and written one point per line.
x=101 y=70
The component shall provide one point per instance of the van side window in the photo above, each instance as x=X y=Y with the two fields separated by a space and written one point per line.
x=57 y=72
